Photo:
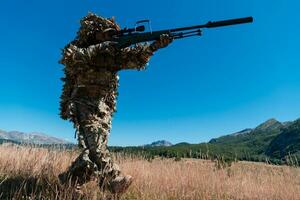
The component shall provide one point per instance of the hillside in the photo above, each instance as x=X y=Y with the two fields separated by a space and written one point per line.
x=253 y=141
x=263 y=131
x=271 y=140
x=286 y=143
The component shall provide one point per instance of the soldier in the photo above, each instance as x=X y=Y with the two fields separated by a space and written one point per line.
x=92 y=62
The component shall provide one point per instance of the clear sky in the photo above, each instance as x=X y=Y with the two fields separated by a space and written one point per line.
x=196 y=89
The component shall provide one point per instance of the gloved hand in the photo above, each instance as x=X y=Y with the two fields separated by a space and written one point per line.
x=162 y=42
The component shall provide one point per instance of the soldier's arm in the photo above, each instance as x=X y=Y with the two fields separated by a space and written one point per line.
x=136 y=57
x=73 y=55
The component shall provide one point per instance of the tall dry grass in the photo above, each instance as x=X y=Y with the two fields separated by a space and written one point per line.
x=31 y=173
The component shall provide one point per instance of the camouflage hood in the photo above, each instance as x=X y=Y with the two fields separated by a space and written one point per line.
x=92 y=24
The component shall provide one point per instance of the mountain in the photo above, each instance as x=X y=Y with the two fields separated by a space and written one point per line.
x=271 y=140
x=287 y=142
x=269 y=125
x=159 y=143
x=33 y=138
x=252 y=141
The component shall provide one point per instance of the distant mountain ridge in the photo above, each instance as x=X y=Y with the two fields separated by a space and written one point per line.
x=272 y=141
x=159 y=143
x=267 y=129
x=33 y=138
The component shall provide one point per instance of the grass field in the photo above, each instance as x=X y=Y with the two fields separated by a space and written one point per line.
x=31 y=173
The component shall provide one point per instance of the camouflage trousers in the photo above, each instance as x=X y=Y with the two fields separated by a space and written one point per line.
x=93 y=123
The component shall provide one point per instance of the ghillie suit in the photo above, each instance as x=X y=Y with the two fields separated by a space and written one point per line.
x=89 y=97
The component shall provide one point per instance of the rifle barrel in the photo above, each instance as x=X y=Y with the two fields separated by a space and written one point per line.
x=216 y=24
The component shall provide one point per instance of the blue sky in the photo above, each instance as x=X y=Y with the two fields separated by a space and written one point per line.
x=196 y=89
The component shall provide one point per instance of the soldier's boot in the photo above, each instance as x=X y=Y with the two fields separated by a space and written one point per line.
x=81 y=171
x=63 y=178
x=120 y=184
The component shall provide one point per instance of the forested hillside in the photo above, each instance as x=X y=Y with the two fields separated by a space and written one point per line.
x=271 y=141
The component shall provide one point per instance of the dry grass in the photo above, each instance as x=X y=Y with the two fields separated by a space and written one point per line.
x=30 y=173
